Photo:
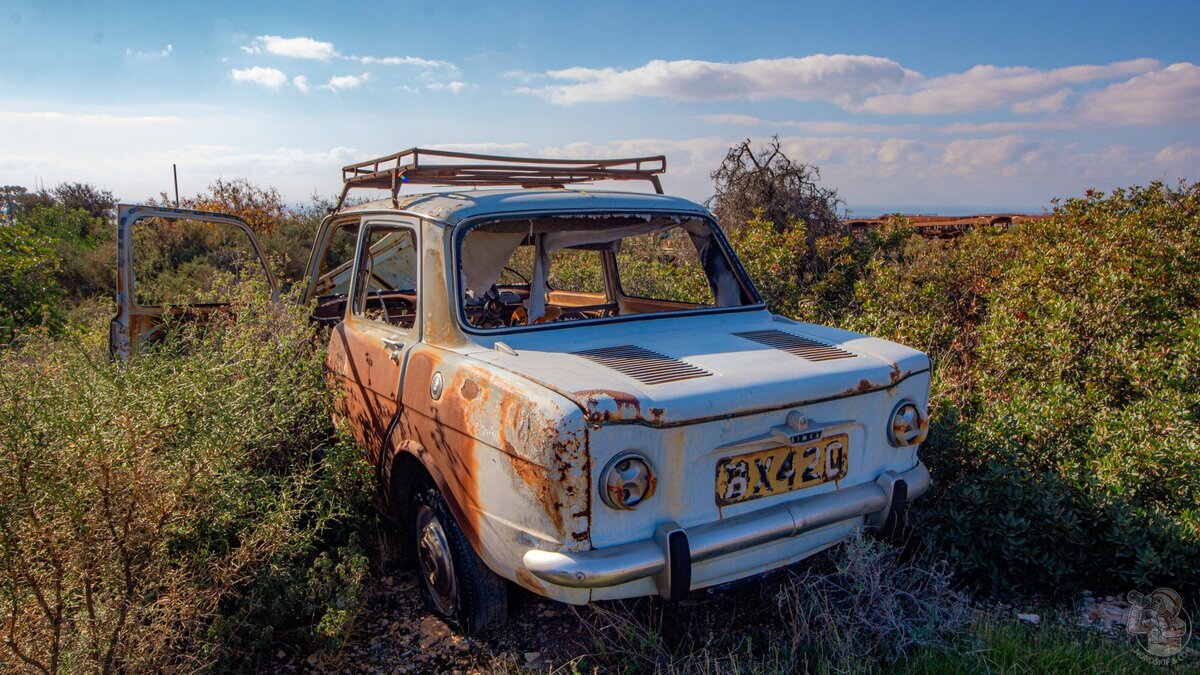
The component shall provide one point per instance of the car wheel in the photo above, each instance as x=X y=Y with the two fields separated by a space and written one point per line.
x=457 y=584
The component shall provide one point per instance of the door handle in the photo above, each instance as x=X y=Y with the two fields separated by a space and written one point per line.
x=393 y=347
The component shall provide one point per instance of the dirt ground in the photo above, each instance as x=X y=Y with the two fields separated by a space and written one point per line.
x=397 y=633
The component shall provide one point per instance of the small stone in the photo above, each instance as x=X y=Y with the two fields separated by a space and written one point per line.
x=1033 y=619
x=433 y=631
x=530 y=657
x=281 y=655
x=388 y=581
x=311 y=660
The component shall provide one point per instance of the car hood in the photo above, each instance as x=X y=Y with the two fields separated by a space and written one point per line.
x=744 y=376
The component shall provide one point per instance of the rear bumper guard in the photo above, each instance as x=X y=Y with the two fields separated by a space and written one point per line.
x=670 y=554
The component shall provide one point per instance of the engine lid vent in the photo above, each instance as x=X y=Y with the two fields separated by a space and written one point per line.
x=642 y=364
x=803 y=347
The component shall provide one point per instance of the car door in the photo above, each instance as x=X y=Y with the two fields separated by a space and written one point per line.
x=165 y=256
x=368 y=349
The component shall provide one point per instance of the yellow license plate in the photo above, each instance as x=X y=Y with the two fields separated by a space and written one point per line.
x=775 y=471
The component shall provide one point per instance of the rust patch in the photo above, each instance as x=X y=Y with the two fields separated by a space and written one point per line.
x=543 y=489
x=447 y=436
x=573 y=463
x=606 y=405
x=469 y=389
x=547 y=463
x=864 y=385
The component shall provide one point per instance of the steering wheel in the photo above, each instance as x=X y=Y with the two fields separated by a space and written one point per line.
x=518 y=274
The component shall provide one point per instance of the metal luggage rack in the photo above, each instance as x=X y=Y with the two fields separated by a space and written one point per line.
x=408 y=167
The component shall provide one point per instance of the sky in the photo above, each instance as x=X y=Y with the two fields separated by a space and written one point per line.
x=931 y=107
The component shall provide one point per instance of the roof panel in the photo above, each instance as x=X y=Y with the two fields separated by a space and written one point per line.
x=454 y=207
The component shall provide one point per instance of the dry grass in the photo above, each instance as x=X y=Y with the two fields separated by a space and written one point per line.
x=856 y=605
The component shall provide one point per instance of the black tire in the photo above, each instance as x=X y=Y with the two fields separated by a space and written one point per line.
x=466 y=593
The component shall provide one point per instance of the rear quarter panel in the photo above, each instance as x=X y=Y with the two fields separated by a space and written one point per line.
x=511 y=457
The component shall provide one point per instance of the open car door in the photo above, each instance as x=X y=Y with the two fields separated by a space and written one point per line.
x=168 y=263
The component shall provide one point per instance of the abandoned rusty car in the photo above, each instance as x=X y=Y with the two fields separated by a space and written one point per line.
x=580 y=392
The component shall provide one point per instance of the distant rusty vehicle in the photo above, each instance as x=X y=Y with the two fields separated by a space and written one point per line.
x=939 y=227
x=581 y=392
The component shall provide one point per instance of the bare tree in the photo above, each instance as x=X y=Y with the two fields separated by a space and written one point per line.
x=99 y=203
x=784 y=190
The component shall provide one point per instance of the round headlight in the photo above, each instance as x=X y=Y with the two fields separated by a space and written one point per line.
x=627 y=480
x=908 y=425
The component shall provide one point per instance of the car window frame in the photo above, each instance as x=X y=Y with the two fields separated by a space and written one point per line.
x=365 y=227
x=463 y=227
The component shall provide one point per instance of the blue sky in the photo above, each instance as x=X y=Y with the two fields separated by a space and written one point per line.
x=925 y=106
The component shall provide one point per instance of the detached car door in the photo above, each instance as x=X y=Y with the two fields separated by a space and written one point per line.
x=368 y=349
x=173 y=262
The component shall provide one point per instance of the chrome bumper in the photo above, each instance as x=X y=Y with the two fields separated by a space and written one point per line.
x=661 y=557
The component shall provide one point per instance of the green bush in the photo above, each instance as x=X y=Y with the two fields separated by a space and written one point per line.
x=814 y=284
x=189 y=509
x=1066 y=432
x=84 y=246
x=29 y=294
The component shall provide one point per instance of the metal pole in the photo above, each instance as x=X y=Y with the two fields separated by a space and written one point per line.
x=175 y=172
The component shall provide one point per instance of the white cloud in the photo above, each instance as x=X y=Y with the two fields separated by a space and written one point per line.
x=1164 y=96
x=85 y=120
x=319 y=50
x=296 y=47
x=1006 y=154
x=1139 y=91
x=300 y=82
x=689 y=161
x=732 y=118
x=342 y=82
x=992 y=87
x=402 y=61
x=895 y=150
x=521 y=75
x=813 y=126
x=454 y=87
x=1183 y=159
x=501 y=148
x=160 y=54
x=267 y=77
x=1006 y=127
x=131 y=150
x=1048 y=103
x=836 y=77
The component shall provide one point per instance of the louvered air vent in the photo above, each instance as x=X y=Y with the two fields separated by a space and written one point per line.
x=794 y=344
x=643 y=365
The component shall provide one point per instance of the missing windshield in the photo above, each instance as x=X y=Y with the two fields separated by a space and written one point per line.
x=570 y=268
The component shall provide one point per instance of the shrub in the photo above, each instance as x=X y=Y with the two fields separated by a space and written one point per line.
x=1066 y=432
x=29 y=294
x=84 y=245
x=817 y=286
x=871 y=606
x=854 y=608
x=188 y=509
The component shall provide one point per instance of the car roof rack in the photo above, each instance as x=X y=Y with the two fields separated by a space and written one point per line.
x=410 y=167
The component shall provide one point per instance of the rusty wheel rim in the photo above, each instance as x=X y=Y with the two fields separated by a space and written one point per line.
x=437 y=566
